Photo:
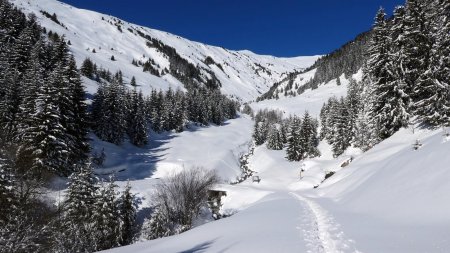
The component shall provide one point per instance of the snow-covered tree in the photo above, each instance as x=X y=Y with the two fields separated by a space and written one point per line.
x=127 y=210
x=105 y=217
x=274 y=140
x=293 y=151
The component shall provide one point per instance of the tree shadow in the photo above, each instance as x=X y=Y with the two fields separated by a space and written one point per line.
x=128 y=162
x=199 y=247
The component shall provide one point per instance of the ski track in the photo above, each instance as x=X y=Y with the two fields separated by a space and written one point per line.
x=321 y=233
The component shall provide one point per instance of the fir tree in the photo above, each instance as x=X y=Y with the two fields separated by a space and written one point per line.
x=309 y=137
x=133 y=81
x=293 y=150
x=137 y=123
x=87 y=68
x=127 y=211
x=105 y=217
x=274 y=140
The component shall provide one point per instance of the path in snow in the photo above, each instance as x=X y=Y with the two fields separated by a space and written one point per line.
x=321 y=233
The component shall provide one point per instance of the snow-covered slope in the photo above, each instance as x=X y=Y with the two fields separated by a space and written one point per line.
x=389 y=199
x=310 y=100
x=241 y=73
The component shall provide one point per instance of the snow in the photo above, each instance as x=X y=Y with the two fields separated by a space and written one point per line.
x=86 y=31
x=390 y=199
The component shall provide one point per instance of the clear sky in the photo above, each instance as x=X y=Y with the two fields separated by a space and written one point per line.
x=275 y=27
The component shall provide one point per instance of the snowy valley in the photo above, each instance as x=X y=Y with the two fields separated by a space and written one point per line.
x=364 y=184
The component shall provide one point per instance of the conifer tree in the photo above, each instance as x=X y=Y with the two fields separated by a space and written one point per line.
x=45 y=145
x=391 y=101
x=341 y=130
x=77 y=125
x=78 y=210
x=87 y=68
x=137 y=123
x=128 y=216
x=105 y=217
x=309 y=136
x=133 y=81
x=433 y=106
x=293 y=150
x=274 y=140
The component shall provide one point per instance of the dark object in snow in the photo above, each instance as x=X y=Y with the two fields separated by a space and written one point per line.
x=347 y=162
x=256 y=179
x=215 y=202
x=417 y=145
x=328 y=175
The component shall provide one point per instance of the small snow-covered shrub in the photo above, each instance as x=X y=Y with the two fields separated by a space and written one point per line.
x=177 y=202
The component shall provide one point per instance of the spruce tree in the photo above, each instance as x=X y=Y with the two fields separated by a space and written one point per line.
x=308 y=138
x=77 y=125
x=105 y=217
x=294 y=148
x=137 y=123
x=127 y=211
x=342 y=134
x=87 y=68
x=433 y=107
x=78 y=210
x=274 y=140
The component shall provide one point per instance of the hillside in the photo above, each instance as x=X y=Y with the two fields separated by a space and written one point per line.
x=171 y=60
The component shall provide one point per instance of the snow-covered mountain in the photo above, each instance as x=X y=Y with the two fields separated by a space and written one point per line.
x=241 y=74
x=392 y=198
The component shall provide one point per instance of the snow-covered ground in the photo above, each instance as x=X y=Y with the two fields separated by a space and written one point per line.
x=389 y=199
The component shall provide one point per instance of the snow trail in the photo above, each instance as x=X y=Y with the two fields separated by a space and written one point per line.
x=321 y=233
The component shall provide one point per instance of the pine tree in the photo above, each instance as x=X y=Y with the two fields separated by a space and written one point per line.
x=78 y=210
x=352 y=102
x=308 y=138
x=109 y=108
x=294 y=148
x=9 y=105
x=274 y=140
x=433 y=107
x=418 y=43
x=137 y=123
x=179 y=111
x=77 y=126
x=260 y=132
x=127 y=211
x=391 y=102
x=87 y=68
x=342 y=134
x=366 y=130
x=105 y=217
x=44 y=150
x=133 y=81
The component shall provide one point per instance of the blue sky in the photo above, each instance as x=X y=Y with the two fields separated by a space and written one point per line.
x=276 y=27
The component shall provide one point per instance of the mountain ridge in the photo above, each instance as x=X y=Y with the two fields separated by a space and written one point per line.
x=242 y=74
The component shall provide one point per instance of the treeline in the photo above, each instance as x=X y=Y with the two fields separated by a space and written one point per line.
x=117 y=112
x=406 y=79
x=346 y=60
x=187 y=73
x=298 y=135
